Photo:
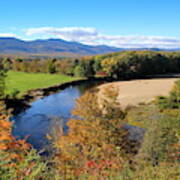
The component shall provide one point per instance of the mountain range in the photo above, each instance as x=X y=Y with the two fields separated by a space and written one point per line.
x=51 y=46
x=57 y=47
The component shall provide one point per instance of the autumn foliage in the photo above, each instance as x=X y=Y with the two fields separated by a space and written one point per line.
x=17 y=160
x=92 y=146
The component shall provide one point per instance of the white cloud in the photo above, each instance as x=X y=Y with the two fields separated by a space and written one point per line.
x=142 y=41
x=91 y=36
x=8 y=35
x=71 y=33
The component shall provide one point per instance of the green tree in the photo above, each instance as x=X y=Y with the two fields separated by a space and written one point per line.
x=7 y=63
x=171 y=101
x=79 y=71
x=97 y=66
x=51 y=67
x=85 y=68
x=2 y=81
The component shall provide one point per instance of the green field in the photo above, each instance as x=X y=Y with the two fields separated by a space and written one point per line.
x=27 y=81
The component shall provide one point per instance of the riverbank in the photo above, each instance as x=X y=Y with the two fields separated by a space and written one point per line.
x=134 y=92
x=20 y=104
x=131 y=92
x=24 y=82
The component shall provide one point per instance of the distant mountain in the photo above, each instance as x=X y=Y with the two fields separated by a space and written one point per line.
x=58 y=47
x=51 y=46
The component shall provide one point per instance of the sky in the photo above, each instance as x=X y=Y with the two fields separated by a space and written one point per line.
x=120 y=23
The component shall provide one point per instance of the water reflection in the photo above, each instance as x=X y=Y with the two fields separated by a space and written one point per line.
x=46 y=114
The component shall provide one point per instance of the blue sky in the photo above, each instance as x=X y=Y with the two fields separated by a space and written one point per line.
x=122 y=23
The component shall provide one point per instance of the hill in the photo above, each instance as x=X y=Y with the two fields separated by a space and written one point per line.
x=51 y=46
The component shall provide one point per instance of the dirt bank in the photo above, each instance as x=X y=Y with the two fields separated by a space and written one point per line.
x=138 y=91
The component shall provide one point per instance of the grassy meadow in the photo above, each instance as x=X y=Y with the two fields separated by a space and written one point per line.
x=27 y=81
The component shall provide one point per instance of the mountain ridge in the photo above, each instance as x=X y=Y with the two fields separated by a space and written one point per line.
x=44 y=46
x=11 y=45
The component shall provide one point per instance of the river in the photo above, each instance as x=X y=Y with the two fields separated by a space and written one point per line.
x=48 y=113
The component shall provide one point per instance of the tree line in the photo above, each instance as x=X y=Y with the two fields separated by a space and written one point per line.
x=126 y=64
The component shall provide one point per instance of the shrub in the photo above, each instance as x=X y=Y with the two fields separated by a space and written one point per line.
x=17 y=158
x=173 y=100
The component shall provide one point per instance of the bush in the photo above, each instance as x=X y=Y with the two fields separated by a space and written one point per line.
x=17 y=158
x=173 y=100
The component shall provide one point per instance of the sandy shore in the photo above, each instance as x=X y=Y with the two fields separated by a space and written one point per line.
x=138 y=91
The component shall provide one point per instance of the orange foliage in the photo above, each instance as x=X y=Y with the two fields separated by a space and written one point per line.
x=174 y=152
x=7 y=141
x=91 y=146
x=13 y=152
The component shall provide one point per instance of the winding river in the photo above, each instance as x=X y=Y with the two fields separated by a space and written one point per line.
x=48 y=113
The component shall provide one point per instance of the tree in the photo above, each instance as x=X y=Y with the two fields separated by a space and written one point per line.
x=133 y=64
x=51 y=67
x=79 y=71
x=17 y=158
x=2 y=81
x=97 y=66
x=92 y=146
x=171 y=101
x=174 y=97
x=85 y=68
x=7 y=63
